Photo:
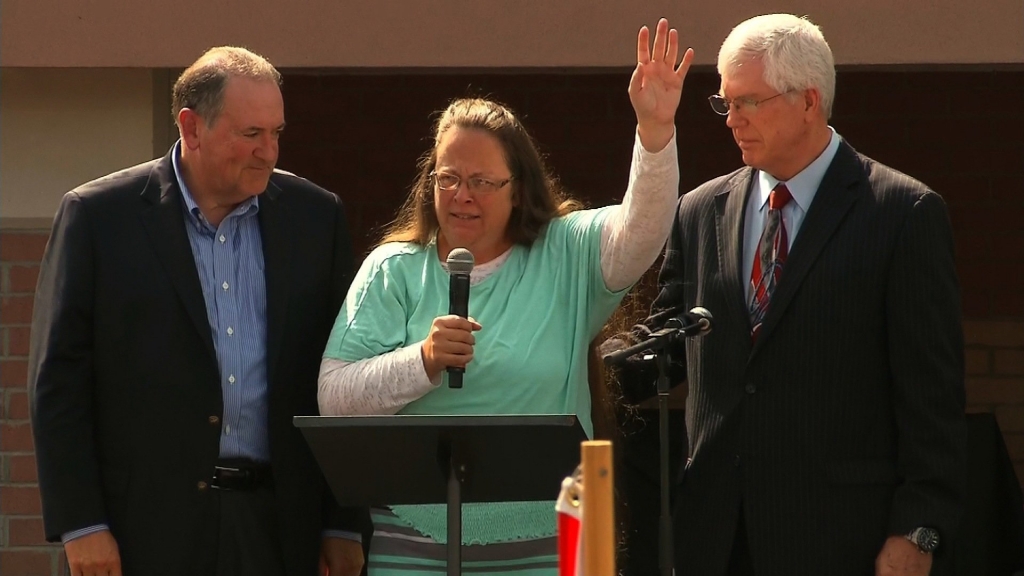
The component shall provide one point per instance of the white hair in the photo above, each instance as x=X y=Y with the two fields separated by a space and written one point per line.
x=793 y=51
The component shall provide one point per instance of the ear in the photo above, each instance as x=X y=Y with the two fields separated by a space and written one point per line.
x=189 y=127
x=812 y=101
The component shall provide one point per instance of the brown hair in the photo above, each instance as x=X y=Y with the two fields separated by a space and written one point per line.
x=200 y=87
x=611 y=414
x=537 y=197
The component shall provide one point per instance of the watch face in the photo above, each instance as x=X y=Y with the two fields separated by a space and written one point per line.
x=927 y=539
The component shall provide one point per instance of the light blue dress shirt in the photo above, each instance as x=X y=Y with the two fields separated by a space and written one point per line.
x=229 y=260
x=803 y=187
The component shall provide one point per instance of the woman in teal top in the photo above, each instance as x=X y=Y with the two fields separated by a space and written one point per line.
x=547 y=277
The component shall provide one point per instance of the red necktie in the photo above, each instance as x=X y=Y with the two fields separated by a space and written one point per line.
x=769 y=259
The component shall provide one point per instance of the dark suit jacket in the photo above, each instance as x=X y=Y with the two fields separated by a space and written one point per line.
x=124 y=374
x=844 y=423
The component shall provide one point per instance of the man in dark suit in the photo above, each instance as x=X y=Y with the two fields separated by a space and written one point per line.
x=825 y=409
x=181 y=312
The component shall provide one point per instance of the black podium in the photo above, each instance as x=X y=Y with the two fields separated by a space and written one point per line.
x=385 y=460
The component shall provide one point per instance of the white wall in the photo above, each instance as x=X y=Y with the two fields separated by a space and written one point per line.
x=62 y=127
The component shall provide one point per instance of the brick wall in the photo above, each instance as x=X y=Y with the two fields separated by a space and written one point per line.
x=995 y=379
x=360 y=136
x=22 y=549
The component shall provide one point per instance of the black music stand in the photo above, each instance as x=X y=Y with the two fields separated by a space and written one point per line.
x=386 y=460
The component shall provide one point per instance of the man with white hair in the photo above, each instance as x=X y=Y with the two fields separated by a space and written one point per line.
x=825 y=410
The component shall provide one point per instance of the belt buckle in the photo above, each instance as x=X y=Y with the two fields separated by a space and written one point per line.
x=235 y=473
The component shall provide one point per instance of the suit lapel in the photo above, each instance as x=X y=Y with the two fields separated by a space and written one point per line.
x=277 y=248
x=836 y=195
x=164 y=221
x=730 y=208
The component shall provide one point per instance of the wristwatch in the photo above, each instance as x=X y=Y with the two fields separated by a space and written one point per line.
x=926 y=539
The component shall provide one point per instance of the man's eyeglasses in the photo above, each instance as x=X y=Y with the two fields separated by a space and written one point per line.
x=722 y=105
x=446 y=181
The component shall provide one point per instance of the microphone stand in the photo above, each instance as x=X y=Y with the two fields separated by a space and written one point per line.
x=659 y=344
x=665 y=520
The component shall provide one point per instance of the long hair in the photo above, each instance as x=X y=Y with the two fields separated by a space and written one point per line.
x=611 y=414
x=537 y=196
x=613 y=417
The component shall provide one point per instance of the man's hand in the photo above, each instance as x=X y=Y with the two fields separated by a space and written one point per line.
x=900 y=557
x=95 y=554
x=341 y=557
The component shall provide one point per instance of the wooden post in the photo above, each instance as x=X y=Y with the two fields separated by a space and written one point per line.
x=598 y=509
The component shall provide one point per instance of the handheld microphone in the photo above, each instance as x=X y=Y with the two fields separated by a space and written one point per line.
x=460 y=263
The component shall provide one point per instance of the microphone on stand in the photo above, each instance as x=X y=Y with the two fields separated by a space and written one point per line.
x=697 y=322
x=460 y=263
x=657 y=346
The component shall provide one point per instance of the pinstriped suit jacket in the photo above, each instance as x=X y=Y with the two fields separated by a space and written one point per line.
x=844 y=423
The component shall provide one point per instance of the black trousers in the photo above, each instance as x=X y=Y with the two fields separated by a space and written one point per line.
x=244 y=539
x=740 y=562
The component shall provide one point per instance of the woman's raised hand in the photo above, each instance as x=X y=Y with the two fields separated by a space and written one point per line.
x=657 y=84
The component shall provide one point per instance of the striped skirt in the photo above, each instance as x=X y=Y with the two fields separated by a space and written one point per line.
x=398 y=550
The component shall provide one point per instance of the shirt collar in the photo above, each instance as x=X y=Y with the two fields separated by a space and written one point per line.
x=805 y=184
x=190 y=202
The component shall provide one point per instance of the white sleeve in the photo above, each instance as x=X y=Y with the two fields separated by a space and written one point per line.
x=634 y=233
x=379 y=385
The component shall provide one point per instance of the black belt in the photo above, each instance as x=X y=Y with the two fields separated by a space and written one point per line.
x=241 y=476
